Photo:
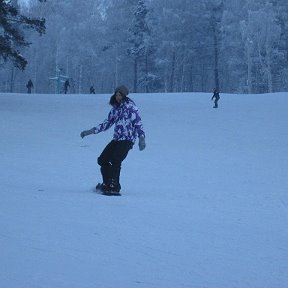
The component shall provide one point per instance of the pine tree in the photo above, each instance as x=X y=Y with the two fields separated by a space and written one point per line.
x=12 y=37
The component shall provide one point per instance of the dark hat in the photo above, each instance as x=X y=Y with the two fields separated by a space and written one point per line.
x=123 y=90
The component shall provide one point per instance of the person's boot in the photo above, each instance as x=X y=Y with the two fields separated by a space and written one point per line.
x=102 y=187
x=106 y=173
x=113 y=189
x=114 y=186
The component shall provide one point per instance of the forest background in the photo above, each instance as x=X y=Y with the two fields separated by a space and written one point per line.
x=239 y=46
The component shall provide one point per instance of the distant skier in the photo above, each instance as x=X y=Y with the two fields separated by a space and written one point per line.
x=92 y=89
x=29 y=86
x=216 y=95
x=128 y=126
x=66 y=85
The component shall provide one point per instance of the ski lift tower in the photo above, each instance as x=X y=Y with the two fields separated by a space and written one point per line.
x=59 y=80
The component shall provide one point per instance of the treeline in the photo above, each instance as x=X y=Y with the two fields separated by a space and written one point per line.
x=239 y=46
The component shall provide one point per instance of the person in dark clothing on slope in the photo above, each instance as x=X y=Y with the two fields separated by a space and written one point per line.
x=92 y=89
x=29 y=86
x=216 y=95
x=66 y=85
x=128 y=126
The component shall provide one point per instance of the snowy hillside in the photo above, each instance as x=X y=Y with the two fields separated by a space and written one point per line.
x=204 y=206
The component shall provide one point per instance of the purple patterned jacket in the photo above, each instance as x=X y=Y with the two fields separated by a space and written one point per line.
x=128 y=123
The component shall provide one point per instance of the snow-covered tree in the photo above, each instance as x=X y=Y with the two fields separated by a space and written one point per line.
x=139 y=33
x=12 y=37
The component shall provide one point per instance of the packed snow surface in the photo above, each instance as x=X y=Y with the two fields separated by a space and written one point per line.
x=205 y=205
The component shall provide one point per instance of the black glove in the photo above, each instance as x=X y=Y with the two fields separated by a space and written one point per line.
x=142 y=143
x=87 y=132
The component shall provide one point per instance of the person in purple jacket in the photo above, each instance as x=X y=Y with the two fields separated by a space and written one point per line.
x=128 y=125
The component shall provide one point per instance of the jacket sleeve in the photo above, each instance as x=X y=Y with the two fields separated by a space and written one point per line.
x=137 y=122
x=107 y=123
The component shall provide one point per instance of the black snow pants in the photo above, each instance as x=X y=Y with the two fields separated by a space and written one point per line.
x=111 y=159
x=216 y=102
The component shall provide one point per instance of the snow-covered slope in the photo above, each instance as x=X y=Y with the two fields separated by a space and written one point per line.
x=204 y=206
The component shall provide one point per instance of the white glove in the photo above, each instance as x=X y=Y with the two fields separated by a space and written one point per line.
x=142 y=143
x=87 y=132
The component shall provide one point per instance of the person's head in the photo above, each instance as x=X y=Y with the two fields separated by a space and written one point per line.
x=119 y=95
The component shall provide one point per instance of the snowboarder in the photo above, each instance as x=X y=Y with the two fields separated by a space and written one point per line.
x=128 y=126
x=29 y=86
x=66 y=85
x=216 y=96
